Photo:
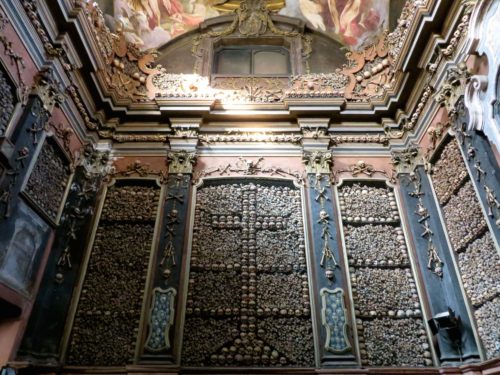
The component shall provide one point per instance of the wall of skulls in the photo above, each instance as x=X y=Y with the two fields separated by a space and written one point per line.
x=386 y=302
x=47 y=182
x=109 y=310
x=7 y=100
x=478 y=259
x=248 y=295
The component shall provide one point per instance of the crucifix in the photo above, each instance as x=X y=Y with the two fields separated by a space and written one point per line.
x=34 y=130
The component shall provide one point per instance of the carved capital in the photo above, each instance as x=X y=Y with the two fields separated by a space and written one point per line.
x=47 y=90
x=318 y=161
x=406 y=160
x=181 y=161
x=453 y=87
x=96 y=163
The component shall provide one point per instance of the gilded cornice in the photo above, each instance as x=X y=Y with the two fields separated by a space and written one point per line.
x=370 y=78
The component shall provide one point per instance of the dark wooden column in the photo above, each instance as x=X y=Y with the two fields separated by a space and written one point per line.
x=435 y=258
x=334 y=338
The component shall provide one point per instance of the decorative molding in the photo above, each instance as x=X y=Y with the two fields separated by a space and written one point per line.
x=264 y=137
x=247 y=167
x=379 y=139
x=138 y=169
x=363 y=168
x=126 y=68
x=161 y=318
x=33 y=13
x=333 y=318
x=73 y=91
x=122 y=138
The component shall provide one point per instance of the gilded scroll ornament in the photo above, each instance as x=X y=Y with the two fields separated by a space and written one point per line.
x=161 y=319
x=333 y=318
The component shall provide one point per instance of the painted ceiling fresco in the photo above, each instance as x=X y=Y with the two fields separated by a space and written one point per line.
x=152 y=23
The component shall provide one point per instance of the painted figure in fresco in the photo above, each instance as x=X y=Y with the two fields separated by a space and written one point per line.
x=152 y=23
x=355 y=23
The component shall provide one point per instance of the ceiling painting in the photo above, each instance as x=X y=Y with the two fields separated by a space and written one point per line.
x=354 y=23
x=152 y=23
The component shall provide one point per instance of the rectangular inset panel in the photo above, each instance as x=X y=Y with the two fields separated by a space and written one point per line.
x=20 y=254
x=47 y=182
x=449 y=172
x=248 y=296
x=478 y=259
x=109 y=310
x=389 y=321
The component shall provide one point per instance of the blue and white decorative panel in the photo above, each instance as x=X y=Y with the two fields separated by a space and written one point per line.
x=333 y=317
x=161 y=318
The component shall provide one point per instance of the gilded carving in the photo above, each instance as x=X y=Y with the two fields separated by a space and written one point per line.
x=181 y=161
x=248 y=167
x=32 y=11
x=363 y=168
x=47 y=90
x=250 y=137
x=87 y=118
x=127 y=68
x=137 y=168
x=121 y=138
x=453 y=88
x=405 y=161
x=318 y=161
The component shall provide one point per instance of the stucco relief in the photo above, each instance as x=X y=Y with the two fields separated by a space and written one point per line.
x=482 y=91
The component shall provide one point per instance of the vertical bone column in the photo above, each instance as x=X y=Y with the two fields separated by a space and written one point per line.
x=333 y=318
x=160 y=344
x=435 y=257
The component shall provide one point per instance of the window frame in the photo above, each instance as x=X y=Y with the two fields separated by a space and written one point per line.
x=253 y=49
